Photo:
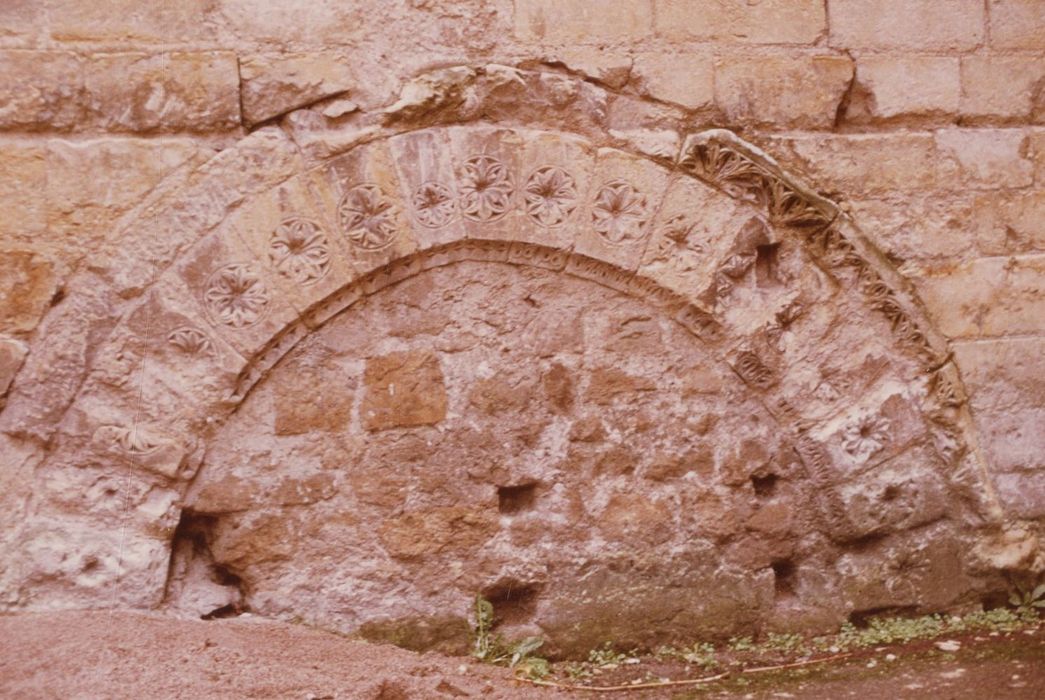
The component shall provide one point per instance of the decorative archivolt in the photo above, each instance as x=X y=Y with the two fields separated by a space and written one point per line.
x=754 y=264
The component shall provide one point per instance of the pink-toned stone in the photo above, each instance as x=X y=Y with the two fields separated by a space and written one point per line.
x=768 y=22
x=12 y=354
x=989 y=297
x=27 y=285
x=898 y=86
x=41 y=90
x=983 y=158
x=921 y=25
x=272 y=85
x=1002 y=86
x=403 y=390
x=577 y=20
x=802 y=91
x=176 y=91
x=865 y=162
x=686 y=79
x=129 y=21
x=24 y=168
x=1017 y=24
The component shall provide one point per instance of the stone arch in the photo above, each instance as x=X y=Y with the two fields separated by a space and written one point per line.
x=775 y=280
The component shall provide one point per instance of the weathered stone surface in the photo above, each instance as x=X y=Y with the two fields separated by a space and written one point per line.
x=576 y=20
x=1009 y=222
x=907 y=24
x=1004 y=379
x=91 y=183
x=27 y=285
x=129 y=21
x=988 y=297
x=403 y=390
x=41 y=90
x=997 y=86
x=772 y=22
x=1017 y=24
x=273 y=85
x=687 y=80
x=866 y=162
x=899 y=86
x=983 y=158
x=176 y=91
x=25 y=173
x=12 y=354
x=801 y=91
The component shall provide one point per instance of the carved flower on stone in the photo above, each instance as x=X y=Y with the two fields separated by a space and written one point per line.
x=299 y=252
x=679 y=247
x=367 y=217
x=551 y=195
x=235 y=296
x=486 y=189
x=433 y=204
x=189 y=340
x=620 y=213
x=866 y=436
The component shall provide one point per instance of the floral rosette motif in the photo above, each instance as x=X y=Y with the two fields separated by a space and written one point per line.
x=486 y=189
x=433 y=204
x=620 y=213
x=678 y=246
x=298 y=250
x=235 y=296
x=550 y=195
x=866 y=436
x=367 y=217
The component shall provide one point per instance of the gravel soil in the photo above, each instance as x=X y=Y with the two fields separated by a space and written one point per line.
x=137 y=655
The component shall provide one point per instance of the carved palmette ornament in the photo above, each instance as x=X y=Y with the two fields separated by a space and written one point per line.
x=145 y=446
x=190 y=341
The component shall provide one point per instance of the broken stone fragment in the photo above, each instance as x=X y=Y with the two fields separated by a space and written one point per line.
x=275 y=85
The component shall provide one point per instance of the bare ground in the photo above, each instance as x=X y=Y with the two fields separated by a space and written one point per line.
x=136 y=655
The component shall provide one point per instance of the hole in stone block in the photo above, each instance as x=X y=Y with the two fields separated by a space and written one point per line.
x=196 y=583
x=513 y=601
x=515 y=499
x=784 y=577
x=766 y=263
x=862 y=618
x=764 y=485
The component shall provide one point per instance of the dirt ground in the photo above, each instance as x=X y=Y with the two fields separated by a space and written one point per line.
x=136 y=655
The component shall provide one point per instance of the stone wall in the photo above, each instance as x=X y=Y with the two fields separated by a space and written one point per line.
x=129 y=130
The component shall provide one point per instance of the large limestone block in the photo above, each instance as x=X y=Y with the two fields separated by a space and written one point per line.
x=403 y=389
x=24 y=169
x=129 y=21
x=988 y=297
x=41 y=90
x=908 y=24
x=1009 y=222
x=686 y=79
x=983 y=158
x=1017 y=24
x=1002 y=86
x=864 y=162
x=176 y=91
x=898 y=86
x=27 y=285
x=766 y=22
x=275 y=84
x=91 y=183
x=571 y=21
x=779 y=90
